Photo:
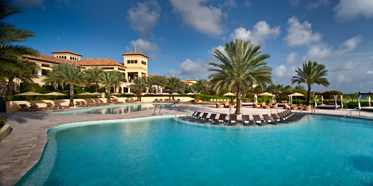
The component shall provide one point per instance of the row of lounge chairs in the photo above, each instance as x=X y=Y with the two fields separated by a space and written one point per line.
x=222 y=100
x=280 y=118
x=166 y=101
x=35 y=107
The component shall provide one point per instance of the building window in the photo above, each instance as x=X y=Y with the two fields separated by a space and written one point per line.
x=128 y=61
x=143 y=62
x=44 y=72
x=108 y=68
x=136 y=61
x=45 y=65
x=122 y=69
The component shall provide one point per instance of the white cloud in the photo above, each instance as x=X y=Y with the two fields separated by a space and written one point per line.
x=291 y=57
x=369 y=72
x=191 y=69
x=343 y=79
x=58 y=38
x=318 y=3
x=323 y=51
x=205 y=19
x=260 y=32
x=247 y=3
x=220 y=48
x=281 y=72
x=294 y=2
x=230 y=3
x=143 y=17
x=300 y=33
x=351 y=9
x=145 y=47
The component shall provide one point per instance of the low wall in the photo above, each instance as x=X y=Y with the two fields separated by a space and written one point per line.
x=13 y=106
x=4 y=132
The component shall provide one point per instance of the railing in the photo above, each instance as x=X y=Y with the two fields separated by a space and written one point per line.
x=351 y=112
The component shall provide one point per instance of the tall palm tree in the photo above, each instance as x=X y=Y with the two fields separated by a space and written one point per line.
x=150 y=81
x=162 y=81
x=110 y=79
x=54 y=79
x=139 y=85
x=243 y=66
x=93 y=75
x=69 y=74
x=174 y=83
x=10 y=54
x=311 y=73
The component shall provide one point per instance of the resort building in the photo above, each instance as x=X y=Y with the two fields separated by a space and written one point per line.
x=135 y=65
x=189 y=81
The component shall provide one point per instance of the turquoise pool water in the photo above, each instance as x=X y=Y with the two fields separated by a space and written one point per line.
x=119 y=109
x=324 y=151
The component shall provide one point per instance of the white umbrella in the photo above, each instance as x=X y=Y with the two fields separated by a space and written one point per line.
x=265 y=94
x=231 y=95
x=174 y=94
x=97 y=93
x=86 y=94
x=29 y=94
x=191 y=93
x=296 y=94
x=55 y=94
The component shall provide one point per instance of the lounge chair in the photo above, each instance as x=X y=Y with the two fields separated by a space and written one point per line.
x=275 y=106
x=193 y=117
x=36 y=107
x=102 y=102
x=210 y=119
x=218 y=105
x=220 y=120
x=194 y=113
x=267 y=119
x=277 y=119
x=25 y=108
x=246 y=120
x=59 y=104
x=202 y=118
x=79 y=104
x=232 y=119
x=257 y=120
x=286 y=106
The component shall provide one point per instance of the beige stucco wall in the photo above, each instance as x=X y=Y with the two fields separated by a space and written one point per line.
x=13 y=106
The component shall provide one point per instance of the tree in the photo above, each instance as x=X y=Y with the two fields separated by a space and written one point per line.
x=161 y=81
x=11 y=63
x=201 y=86
x=299 y=88
x=55 y=79
x=150 y=81
x=243 y=66
x=69 y=74
x=93 y=75
x=311 y=73
x=109 y=79
x=139 y=85
x=354 y=96
x=174 y=83
x=288 y=87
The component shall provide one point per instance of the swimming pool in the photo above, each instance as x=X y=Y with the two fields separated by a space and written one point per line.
x=119 y=109
x=323 y=151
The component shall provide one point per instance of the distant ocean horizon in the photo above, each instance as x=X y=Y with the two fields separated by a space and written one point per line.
x=362 y=96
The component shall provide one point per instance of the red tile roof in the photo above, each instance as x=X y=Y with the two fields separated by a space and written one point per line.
x=48 y=58
x=134 y=53
x=67 y=51
x=153 y=75
x=99 y=62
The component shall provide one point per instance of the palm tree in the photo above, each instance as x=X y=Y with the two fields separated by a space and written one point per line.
x=139 y=85
x=110 y=79
x=12 y=66
x=161 y=81
x=150 y=81
x=243 y=66
x=53 y=78
x=93 y=75
x=174 y=83
x=312 y=73
x=69 y=74
x=201 y=86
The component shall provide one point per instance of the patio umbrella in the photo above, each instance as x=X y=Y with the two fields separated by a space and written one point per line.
x=55 y=94
x=191 y=93
x=29 y=94
x=231 y=95
x=296 y=94
x=86 y=94
x=265 y=94
x=174 y=94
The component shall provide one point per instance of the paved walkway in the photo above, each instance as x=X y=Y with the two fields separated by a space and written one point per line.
x=22 y=149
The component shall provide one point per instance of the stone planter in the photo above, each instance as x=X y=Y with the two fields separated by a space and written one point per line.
x=307 y=108
x=4 y=132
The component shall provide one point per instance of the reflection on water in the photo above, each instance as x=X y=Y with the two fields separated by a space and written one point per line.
x=124 y=109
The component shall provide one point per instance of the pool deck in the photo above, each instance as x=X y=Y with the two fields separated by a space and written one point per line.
x=22 y=149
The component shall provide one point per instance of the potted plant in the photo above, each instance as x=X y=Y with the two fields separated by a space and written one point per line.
x=197 y=98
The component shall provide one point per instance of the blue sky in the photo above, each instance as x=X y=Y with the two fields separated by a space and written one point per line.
x=179 y=36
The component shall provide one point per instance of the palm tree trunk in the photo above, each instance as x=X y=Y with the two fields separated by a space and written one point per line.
x=308 y=96
x=238 y=107
x=71 y=95
x=11 y=88
x=173 y=90
x=3 y=90
x=96 y=87
x=63 y=88
x=108 y=95
x=140 y=96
